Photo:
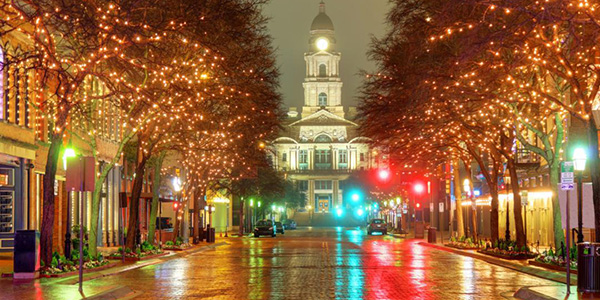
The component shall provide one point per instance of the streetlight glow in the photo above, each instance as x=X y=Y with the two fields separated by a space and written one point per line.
x=419 y=188
x=579 y=159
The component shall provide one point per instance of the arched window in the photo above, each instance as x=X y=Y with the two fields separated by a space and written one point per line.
x=322 y=70
x=323 y=139
x=322 y=99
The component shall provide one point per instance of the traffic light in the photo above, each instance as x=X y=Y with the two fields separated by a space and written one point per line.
x=355 y=197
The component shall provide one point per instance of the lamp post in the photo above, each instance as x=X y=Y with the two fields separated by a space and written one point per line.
x=467 y=189
x=507 y=232
x=579 y=159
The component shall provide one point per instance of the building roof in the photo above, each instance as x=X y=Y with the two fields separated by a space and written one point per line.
x=322 y=20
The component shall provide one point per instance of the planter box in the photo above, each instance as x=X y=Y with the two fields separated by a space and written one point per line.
x=461 y=248
x=503 y=256
x=129 y=258
x=67 y=274
x=553 y=267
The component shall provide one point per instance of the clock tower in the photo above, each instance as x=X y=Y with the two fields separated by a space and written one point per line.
x=322 y=85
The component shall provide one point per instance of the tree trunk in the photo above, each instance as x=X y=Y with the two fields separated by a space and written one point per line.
x=494 y=222
x=458 y=195
x=593 y=163
x=198 y=198
x=155 y=197
x=559 y=235
x=48 y=202
x=134 y=203
x=517 y=207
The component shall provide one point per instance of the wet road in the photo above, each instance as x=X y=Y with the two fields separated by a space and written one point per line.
x=335 y=263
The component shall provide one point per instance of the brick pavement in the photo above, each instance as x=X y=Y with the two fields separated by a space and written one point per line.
x=323 y=264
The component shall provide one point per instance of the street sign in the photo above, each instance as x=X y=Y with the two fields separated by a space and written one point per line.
x=567 y=186
x=524 y=199
x=441 y=204
x=566 y=172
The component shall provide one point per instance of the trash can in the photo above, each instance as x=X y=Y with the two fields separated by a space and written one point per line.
x=27 y=254
x=212 y=235
x=431 y=235
x=588 y=267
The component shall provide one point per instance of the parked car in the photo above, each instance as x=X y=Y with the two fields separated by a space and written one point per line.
x=279 y=227
x=289 y=224
x=265 y=227
x=377 y=225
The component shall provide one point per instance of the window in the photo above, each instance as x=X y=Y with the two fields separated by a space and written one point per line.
x=284 y=157
x=323 y=184
x=322 y=157
x=303 y=157
x=362 y=157
x=323 y=139
x=303 y=185
x=322 y=70
x=343 y=156
x=322 y=99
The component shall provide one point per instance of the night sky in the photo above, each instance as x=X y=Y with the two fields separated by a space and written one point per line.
x=354 y=20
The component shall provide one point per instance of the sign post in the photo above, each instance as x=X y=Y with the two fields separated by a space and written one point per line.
x=567 y=181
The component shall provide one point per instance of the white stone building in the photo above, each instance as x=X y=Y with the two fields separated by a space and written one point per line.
x=319 y=147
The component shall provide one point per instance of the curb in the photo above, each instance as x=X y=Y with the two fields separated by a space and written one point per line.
x=551 y=275
x=114 y=293
x=525 y=293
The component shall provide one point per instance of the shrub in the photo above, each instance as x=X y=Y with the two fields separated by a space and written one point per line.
x=146 y=246
x=169 y=243
x=54 y=262
x=138 y=251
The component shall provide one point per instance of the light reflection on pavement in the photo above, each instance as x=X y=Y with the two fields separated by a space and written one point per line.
x=324 y=263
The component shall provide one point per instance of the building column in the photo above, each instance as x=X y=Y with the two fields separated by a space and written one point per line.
x=311 y=195
x=335 y=186
x=334 y=159
x=311 y=153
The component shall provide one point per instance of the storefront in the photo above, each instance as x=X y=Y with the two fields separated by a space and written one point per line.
x=13 y=199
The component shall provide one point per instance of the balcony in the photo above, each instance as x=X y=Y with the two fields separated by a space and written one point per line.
x=322 y=166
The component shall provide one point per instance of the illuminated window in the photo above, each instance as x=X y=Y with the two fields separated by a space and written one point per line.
x=322 y=99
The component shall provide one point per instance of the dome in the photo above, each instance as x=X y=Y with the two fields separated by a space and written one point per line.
x=322 y=20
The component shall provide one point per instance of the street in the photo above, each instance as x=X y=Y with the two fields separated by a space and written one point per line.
x=328 y=263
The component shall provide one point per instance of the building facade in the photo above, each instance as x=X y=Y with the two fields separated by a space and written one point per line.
x=320 y=145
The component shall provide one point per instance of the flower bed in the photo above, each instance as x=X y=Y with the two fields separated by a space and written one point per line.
x=557 y=262
x=177 y=246
x=463 y=244
x=89 y=266
x=508 y=254
x=146 y=251
x=507 y=249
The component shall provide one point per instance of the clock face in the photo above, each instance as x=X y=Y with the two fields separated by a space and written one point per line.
x=322 y=44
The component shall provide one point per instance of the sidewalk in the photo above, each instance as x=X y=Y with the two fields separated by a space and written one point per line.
x=67 y=287
x=530 y=292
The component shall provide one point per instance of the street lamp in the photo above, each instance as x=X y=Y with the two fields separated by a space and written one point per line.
x=467 y=188
x=579 y=158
